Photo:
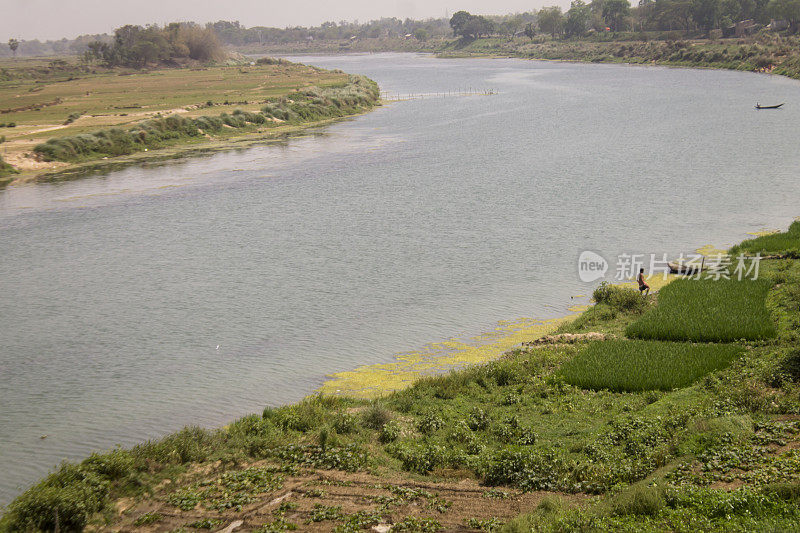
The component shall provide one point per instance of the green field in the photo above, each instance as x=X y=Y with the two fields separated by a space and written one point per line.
x=58 y=98
x=645 y=365
x=707 y=311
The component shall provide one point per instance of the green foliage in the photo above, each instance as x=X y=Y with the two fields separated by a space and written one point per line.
x=205 y=523
x=418 y=525
x=486 y=524
x=619 y=298
x=708 y=311
x=276 y=526
x=787 y=242
x=375 y=416
x=790 y=366
x=149 y=518
x=320 y=513
x=429 y=424
x=645 y=365
x=310 y=105
x=638 y=500
x=65 y=499
x=6 y=169
x=232 y=490
x=390 y=432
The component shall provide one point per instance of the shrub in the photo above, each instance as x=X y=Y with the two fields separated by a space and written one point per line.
x=390 y=432
x=429 y=424
x=619 y=298
x=375 y=416
x=638 y=500
x=65 y=499
x=477 y=419
x=790 y=366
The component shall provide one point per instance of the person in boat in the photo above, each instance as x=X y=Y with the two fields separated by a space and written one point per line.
x=644 y=288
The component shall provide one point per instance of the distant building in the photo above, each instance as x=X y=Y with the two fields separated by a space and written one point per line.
x=745 y=27
x=778 y=25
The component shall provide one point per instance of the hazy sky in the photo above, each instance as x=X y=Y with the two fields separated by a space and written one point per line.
x=54 y=19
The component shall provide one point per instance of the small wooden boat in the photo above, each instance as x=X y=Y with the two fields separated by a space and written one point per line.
x=759 y=106
x=688 y=269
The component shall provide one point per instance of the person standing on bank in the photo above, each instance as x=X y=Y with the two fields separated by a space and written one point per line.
x=644 y=288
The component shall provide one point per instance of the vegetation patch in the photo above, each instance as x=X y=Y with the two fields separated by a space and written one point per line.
x=232 y=490
x=630 y=365
x=309 y=105
x=708 y=311
x=786 y=242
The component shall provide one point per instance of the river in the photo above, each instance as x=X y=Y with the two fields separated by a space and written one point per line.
x=145 y=299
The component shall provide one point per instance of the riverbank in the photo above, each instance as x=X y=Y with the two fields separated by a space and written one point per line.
x=771 y=54
x=115 y=118
x=472 y=449
x=765 y=53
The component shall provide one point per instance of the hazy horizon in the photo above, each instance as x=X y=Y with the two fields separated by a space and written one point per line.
x=55 y=19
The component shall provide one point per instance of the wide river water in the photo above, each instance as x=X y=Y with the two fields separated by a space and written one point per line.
x=146 y=299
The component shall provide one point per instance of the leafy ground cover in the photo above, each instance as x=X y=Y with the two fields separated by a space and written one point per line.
x=629 y=365
x=708 y=310
x=511 y=445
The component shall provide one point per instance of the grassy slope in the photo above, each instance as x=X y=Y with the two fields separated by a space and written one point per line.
x=720 y=454
x=44 y=97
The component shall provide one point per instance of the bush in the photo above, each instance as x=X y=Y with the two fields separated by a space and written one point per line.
x=790 y=366
x=390 y=432
x=375 y=416
x=619 y=298
x=65 y=500
x=638 y=500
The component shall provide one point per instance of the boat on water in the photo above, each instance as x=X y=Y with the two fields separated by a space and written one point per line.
x=759 y=106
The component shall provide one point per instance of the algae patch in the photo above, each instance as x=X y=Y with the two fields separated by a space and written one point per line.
x=380 y=379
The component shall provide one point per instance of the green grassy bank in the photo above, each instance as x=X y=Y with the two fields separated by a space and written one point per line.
x=688 y=434
x=310 y=105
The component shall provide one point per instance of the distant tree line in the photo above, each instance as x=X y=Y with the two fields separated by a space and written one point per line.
x=135 y=46
x=698 y=16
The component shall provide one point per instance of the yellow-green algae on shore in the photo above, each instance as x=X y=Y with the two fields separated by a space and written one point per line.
x=370 y=381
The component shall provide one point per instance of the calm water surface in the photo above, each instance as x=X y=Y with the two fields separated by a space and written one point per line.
x=143 y=300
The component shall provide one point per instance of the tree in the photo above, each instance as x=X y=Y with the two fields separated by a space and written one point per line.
x=13 y=44
x=614 y=13
x=578 y=18
x=459 y=22
x=421 y=34
x=530 y=30
x=705 y=13
x=551 y=20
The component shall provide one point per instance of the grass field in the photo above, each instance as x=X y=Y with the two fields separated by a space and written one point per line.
x=785 y=242
x=47 y=99
x=707 y=311
x=630 y=365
